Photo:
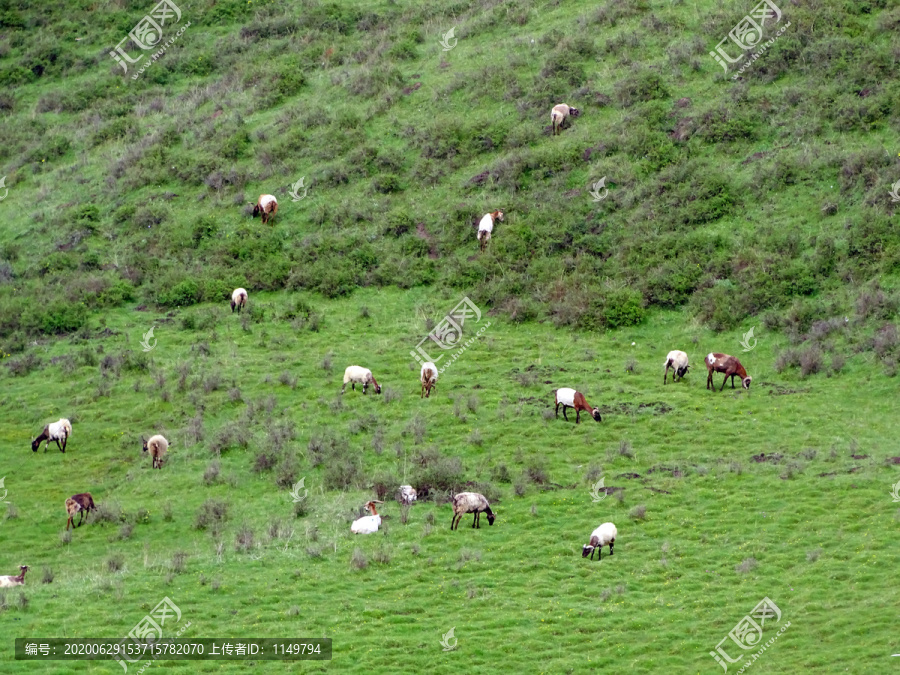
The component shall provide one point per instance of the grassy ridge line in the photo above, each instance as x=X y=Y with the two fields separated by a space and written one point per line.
x=526 y=566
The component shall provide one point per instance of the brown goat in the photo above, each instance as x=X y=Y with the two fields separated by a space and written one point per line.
x=723 y=363
x=78 y=504
x=429 y=379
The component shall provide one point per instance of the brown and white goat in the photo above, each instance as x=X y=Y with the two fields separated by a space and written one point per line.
x=79 y=503
x=428 y=376
x=559 y=114
x=486 y=226
x=267 y=205
x=14 y=580
x=569 y=398
x=723 y=363
x=57 y=431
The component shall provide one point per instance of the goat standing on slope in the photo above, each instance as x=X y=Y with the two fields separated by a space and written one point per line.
x=677 y=361
x=428 y=376
x=569 y=398
x=559 y=114
x=470 y=502
x=723 y=363
x=79 y=503
x=486 y=226
x=603 y=535
x=267 y=205
x=57 y=431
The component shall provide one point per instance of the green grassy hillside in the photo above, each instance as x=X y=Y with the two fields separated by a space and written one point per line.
x=762 y=203
x=705 y=530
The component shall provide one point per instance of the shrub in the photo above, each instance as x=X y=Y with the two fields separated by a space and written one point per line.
x=638 y=512
x=212 y=514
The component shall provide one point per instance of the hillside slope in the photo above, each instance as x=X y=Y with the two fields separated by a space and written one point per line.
x=768 y=195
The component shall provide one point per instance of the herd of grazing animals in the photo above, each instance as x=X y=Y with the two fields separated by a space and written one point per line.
x=463 y=502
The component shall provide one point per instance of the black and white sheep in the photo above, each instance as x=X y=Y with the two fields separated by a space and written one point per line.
x=603 y=535
x=470 y=502
x=57 y=431
x=354 y=375
x=678 y=362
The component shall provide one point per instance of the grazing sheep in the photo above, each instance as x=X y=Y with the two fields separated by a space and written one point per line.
x=603 y=535
x=367 y=524
x=17 y=580
x=238 y=299
x=268 y=206
x=79 y=503
x=407 y=494
x=358 y=375
x=470 y=502
x=723 y=363
x=57 y=431
x=678 y=362
x=559 y=114
x=486 y=226
x=569 y=398
x=428 y=376
x=156 y=446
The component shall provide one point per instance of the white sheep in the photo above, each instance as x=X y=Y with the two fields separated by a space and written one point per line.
x=354 y=375
x=367 y=524
x=678 y=362
x=17 y=580
x=428 y=377
x=408 y=494
x=559 y=114
x=57 y=431
x=238 y=299
x=486 y=226
x=603 y=535
x=156 y=446
x=470 y=502
x=268 y=206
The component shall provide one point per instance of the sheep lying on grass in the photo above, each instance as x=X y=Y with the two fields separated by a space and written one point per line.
x=14 y=580
x=367 y=524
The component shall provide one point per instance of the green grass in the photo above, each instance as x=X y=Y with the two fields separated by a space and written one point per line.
x=518 y=594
